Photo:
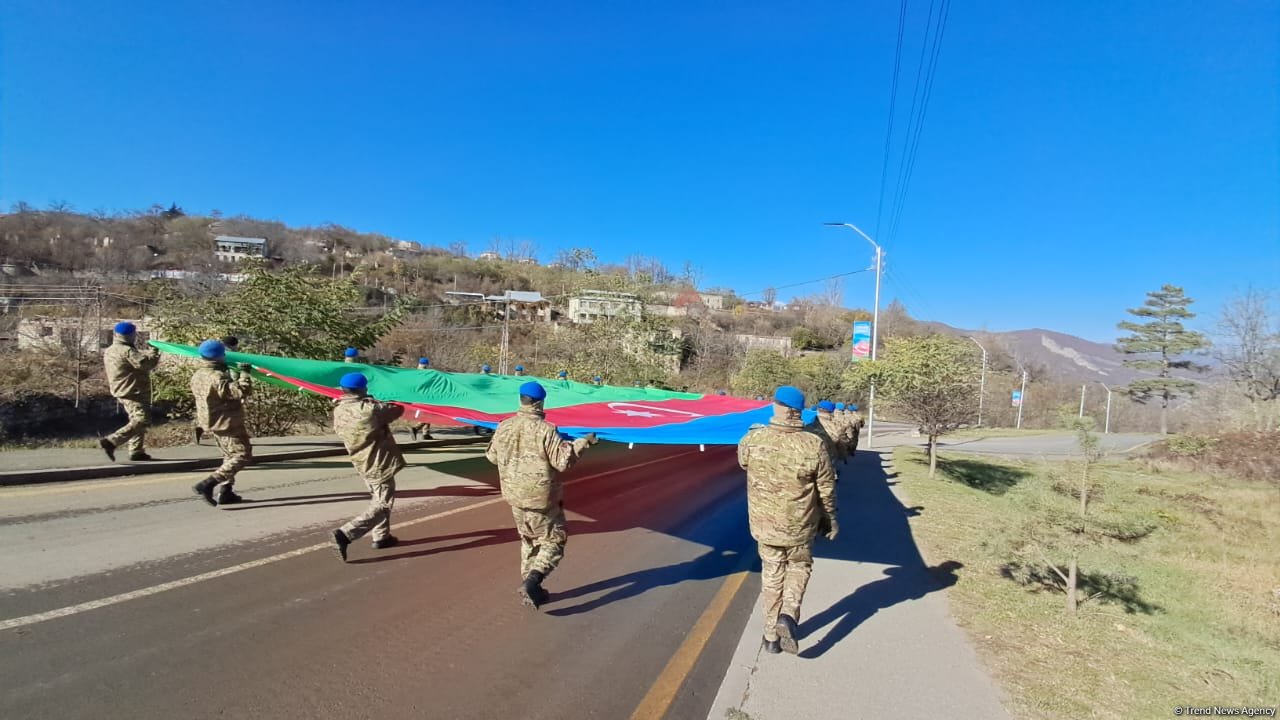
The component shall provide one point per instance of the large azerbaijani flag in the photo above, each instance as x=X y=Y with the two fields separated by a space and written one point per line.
x=620 y=414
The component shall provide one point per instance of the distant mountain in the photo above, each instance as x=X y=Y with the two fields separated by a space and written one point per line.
x=1063 y=356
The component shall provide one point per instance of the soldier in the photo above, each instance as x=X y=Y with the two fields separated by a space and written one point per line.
x=129 y=378
x=529 y=453
x=855 y=419
x=485 y=369
x=828 y=427
x=519 y=371
x=220 y=410
x=597 y=381
x=232 y=344
x=423 y=428
x=351 y=355
x=790 y=499
x=364 y=424
x=563 y=375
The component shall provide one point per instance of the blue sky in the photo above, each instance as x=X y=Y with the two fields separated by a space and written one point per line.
x=1074 y=155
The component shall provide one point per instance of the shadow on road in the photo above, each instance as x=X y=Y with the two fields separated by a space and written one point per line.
x=707 y=507
x=873 y=529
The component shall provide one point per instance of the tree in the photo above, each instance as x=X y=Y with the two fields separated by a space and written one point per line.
x=292 y=313
x=576 y=258
x=1249 y=349
x=1067 y=524
x=769 y=296
x=1160 y=342
x=762 y=372
x=932 y=381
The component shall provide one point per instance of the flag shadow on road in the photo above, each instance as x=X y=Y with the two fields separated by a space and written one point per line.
x=873 y=529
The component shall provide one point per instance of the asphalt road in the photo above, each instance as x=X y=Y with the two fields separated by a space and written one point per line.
x=131 y=598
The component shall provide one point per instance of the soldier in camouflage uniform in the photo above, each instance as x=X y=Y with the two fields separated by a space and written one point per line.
x=219 y=399
x=364 y=424
x=422 y=428
x=832 y=429
x=790 y=499
x=232 y=343
x=529 y=453
x=855 y=423
x=129 y=378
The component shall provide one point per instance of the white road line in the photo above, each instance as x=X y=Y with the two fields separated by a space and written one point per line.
x=184 y=582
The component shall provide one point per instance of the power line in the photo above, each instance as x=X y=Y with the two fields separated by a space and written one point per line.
x=924 y=90
x=806 y=282
x=893 y=102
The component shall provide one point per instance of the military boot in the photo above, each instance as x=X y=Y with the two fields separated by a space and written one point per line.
x=109 y=448
x=229 y=497
x=413 y=433
x=204 y=489
x=531 y=590
x=772 y=647
x=787 y=632
x=198 y=432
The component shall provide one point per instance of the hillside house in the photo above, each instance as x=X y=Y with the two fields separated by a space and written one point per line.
x=589 y=306
x=229 y=248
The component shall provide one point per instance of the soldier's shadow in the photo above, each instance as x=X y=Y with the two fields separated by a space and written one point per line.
x=874 y=529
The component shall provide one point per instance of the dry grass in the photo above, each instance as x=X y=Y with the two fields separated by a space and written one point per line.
x=1210 y=574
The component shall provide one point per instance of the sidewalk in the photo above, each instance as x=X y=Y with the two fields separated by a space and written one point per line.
x=877 y=638
x=22 y=467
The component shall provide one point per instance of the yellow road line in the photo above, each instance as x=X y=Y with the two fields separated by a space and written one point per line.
x=658 y=700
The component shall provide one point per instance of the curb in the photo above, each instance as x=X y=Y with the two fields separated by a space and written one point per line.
x=36 y=477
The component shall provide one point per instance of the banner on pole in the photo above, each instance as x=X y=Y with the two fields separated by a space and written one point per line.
x=862 y=340
x=1017 y=398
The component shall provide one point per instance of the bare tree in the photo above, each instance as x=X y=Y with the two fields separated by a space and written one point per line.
x=1249 y=349
x=769 y=296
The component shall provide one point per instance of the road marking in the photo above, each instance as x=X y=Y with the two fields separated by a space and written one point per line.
x=83 y=485
x=184 y=582
x=658 y=700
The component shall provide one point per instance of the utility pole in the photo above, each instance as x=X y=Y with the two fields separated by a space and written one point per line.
x=982 y=383
x=875 y=328
x=506 y=336
x=1107 y=425
x=1022 y=398
x=1082 y=387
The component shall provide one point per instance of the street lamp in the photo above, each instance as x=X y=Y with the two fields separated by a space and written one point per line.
x=982 y=384
x=875 y=327
x=1107 y=425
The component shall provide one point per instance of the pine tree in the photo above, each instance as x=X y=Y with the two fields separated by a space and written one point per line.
x=1160 y=342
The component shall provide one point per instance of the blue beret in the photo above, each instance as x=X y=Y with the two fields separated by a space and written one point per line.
x=519 y=368
x=789 y=396
x=826 y=405
x=839 y=406
x=533 y=391
x=351 y=352
x=563 y=373
x=353 y=381
x=212 y=349
x=125 y=328
x=853 y=407
x=423 y=361
x=485 y=368
x=597 y=378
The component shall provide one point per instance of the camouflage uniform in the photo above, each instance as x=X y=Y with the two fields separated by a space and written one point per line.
x=129 y=378
x=834 y=432
x=364 y=424
x=855 y=424
x=790 y=494
x=220 y=411
x=529 y=452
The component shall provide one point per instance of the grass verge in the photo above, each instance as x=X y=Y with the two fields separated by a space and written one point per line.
x=1185 y=613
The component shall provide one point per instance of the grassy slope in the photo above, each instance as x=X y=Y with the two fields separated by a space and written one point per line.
x=1211 y=571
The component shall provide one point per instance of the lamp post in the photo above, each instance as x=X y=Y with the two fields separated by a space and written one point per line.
x=1022 y=396
x=875 y=327
x=1106 y=428
x=982 y=383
